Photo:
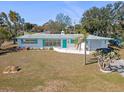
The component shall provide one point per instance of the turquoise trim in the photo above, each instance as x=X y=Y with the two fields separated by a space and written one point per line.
x=72 y=41
x=64 y=43
x=43 y=42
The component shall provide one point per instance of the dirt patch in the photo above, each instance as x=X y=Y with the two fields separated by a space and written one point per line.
x=7 y=89
x=11 y=69
x=37 y=88
x=54 y=86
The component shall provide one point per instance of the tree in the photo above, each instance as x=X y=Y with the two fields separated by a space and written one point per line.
x=14 y=18
x=63 y=21
x=38 y=28
x=91 y=20
x=70 y=30
x=78 y=28
x=13 y=23
x=29 y=26
x=105 y=21
x=82 y=39
x=52 y=26
x=84 y=32
x=4 y=35
x=6 y=21
x=2 y=21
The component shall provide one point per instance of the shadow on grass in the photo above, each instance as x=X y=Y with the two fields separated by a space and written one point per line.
x=88 y=63
x=8 y=50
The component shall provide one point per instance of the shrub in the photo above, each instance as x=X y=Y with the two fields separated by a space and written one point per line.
x=51 y=48
x=122 y=44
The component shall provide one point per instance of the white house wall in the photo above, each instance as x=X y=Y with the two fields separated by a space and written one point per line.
x=95 y=44
x=69 y=44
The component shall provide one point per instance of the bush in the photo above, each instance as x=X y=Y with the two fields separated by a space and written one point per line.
x=122 y=44
x=76 y=41
x=51 y=48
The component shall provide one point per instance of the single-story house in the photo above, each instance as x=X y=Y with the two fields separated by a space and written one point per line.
x=40 y=40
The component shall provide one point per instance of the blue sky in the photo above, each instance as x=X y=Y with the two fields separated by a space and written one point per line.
x=39 y=12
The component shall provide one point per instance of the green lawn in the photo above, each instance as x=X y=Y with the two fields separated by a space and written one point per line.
x=51 y=71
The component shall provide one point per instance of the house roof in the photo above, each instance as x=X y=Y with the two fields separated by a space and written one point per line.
x=97 y=37
x=50 y=36
x=60 y=36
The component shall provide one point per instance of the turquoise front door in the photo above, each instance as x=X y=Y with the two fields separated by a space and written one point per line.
x=43 y=42
x=64 y=43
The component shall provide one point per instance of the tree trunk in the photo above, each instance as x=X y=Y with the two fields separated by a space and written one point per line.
x=14 y=41
x=1 y=42
x=85 y=54
x=15 y=34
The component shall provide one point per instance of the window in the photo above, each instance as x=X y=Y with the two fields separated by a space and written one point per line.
x=29 y=41
x=52 y=42
x=72 y=41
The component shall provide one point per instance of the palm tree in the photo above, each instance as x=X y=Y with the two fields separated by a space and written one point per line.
x=13 y=23
x=85 y=40
x=16 y=20
x=84 y=35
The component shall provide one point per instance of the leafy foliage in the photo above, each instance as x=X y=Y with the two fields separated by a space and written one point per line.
x=105 y=21
x=62 y=21
x=28 y=27
x=4 y=35
x=13 y=23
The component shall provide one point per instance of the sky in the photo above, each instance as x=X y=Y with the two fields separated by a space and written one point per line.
x=39 y=12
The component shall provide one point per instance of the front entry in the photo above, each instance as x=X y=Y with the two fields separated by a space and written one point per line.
x=64 y=43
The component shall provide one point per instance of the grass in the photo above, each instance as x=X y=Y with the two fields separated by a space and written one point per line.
x=44 y=70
